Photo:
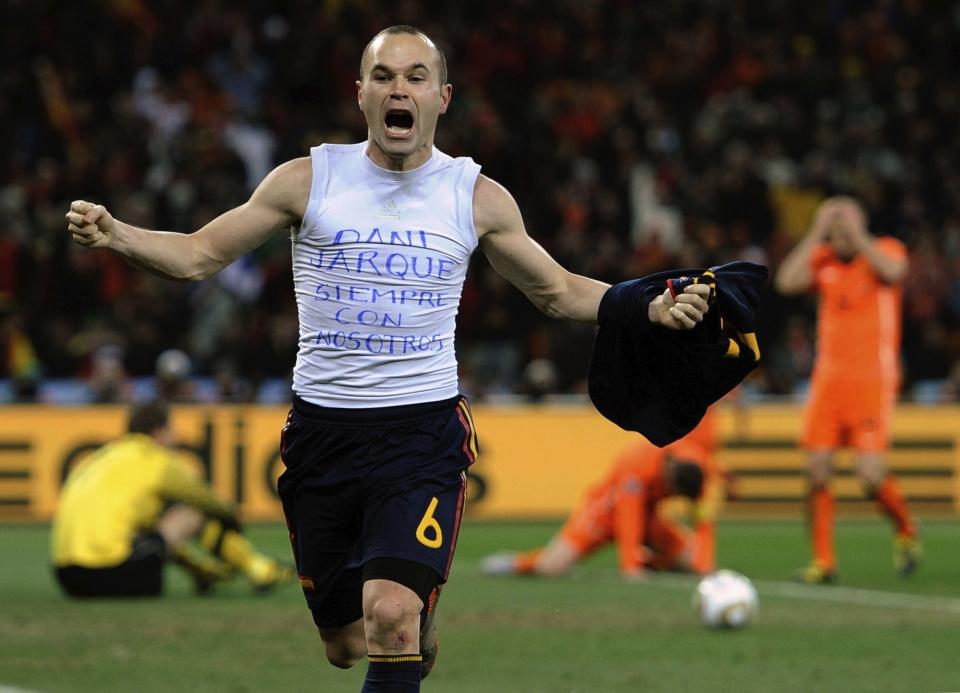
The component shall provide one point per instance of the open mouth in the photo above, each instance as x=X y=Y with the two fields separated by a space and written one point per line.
x=399 y=123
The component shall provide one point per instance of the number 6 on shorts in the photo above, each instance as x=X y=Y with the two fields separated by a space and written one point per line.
x=429 y=522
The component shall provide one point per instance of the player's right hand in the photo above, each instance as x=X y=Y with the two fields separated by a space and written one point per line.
x=824 y=217
x=91 y=225
x=682 y=313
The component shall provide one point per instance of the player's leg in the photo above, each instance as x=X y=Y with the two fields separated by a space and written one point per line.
x=883 y=488
x=587 y=528
x=320 y=494
x=821 y=436
x=230 y=546
x=553 y=560
x=345 y=645
x=411 y=523
x=400 y=594
x=391 y=614
x=821 y=514
x=178 y=525
x=870 y=437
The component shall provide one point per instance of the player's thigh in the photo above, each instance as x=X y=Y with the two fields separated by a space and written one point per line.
x=870 y=416
x=416 y=518
x=320 y=492
x=822 y=418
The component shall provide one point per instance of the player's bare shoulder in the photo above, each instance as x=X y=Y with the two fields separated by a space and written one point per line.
x=494 y=208
x=287 y=187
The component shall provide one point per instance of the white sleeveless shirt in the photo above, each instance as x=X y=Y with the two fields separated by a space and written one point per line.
x=378 y=268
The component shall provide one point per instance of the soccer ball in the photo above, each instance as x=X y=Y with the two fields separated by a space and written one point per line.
x=725 y=599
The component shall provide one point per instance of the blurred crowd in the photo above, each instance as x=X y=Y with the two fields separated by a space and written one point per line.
x=635 y=136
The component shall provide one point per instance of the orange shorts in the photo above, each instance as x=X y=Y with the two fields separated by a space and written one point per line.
x=590 y=527
x=853 y=414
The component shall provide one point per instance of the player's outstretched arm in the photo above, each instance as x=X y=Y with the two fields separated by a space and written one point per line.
x=278 y=202
x=555 y=291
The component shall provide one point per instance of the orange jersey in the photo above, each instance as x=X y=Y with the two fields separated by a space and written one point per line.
x=705 y=434
x=858 y=319
x=623 y=506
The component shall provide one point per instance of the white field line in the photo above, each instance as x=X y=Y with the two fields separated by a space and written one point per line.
x=862 y=597
x=832 y=593
x=14 y=689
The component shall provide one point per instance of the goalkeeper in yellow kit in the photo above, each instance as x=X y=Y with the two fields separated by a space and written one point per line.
x=133 y=505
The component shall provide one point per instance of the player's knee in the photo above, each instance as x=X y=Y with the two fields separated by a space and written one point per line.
x=392 y=623
x=344 y=646
x=344 y=655
x=819 y=468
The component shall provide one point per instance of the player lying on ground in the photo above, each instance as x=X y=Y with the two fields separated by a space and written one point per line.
x=626 y=509
x=133 y=505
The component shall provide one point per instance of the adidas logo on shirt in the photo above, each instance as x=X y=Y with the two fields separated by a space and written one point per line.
x=390 y=210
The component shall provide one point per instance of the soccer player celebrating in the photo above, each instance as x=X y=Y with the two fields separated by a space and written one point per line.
x=625 y=509
x=856 y=375
x=378 y=439
x=132 y=505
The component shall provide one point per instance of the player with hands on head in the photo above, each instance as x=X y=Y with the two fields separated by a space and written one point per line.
x=378 y=439
x=856 y=375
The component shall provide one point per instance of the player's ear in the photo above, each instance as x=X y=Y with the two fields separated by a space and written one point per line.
x=446 y=94
x=359 y=94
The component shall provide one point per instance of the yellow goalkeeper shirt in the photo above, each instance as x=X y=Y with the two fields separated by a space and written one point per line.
x=118 y=491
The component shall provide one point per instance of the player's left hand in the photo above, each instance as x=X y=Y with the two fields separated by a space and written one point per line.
x=682 y=313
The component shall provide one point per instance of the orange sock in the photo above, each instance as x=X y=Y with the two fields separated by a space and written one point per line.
x=524 y=563
x=822 y=509
x=891 y=502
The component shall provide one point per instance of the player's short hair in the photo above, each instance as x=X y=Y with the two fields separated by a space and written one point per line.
x=850 y=198
x=408 y=29
x=146 y=417
x=687 y=478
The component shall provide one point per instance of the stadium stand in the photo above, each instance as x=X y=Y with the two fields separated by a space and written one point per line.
x=665 y=134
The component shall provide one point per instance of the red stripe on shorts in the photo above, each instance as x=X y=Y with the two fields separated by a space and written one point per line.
x=456 y=524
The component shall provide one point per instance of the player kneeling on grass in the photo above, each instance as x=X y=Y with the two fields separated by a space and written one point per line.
x=626 y=508
x=133 y=505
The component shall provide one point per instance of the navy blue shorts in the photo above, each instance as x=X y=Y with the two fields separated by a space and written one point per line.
x=378 y=483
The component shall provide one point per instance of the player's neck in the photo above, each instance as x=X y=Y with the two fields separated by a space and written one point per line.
x=403 y=163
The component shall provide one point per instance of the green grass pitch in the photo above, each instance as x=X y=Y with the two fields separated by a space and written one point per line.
x=589 y=632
